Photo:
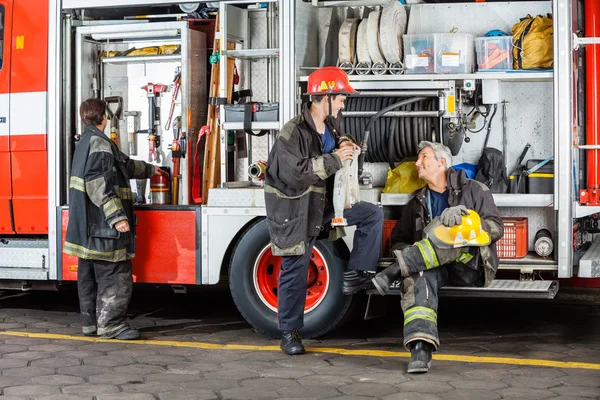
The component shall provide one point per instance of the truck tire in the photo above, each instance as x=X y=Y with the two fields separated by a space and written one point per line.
x=253 y=275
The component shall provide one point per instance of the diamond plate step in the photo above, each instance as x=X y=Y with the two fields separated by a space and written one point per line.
x=22 y=253
x=589 y=265
x=499 y=288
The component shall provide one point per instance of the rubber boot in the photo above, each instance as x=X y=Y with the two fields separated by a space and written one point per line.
x=383 y=280
x=420 y=357
x=129 y=334
x=291 y=343
x=355 y=281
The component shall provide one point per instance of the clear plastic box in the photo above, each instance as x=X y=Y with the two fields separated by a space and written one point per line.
x=453 y=53
x=419 y=53
x=494 y=53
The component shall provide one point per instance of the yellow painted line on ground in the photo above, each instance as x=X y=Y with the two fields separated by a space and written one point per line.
x=330 y=350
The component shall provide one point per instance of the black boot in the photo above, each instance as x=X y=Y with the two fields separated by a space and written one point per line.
x=355 y=281
x=420 y=357
x=291 y=342
x=383 y=280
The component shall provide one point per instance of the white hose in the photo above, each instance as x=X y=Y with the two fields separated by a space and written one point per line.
x=363 y=58
x=373 y=40
x=347 y=43
x=391 y=28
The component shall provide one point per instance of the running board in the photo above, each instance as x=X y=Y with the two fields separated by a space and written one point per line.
x=499 y=288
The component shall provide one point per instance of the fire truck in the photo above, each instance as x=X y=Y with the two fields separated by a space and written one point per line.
x=166 y=71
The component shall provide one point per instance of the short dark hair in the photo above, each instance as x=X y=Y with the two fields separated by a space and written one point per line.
x=92 y=111
x=319 y=97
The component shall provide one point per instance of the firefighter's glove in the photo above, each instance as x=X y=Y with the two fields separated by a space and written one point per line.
x=453 y=216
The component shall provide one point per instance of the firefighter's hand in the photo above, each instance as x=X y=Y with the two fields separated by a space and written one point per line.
x=159 y=171
x=453 y=216
x=345 y=153
x=122 y=226
x=349 y=144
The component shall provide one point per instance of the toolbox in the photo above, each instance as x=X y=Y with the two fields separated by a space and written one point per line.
x=542 y=180
x=261 y=112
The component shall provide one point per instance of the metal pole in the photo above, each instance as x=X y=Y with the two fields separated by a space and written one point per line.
x=68 y=111
x=394 y=114
x=398 y=93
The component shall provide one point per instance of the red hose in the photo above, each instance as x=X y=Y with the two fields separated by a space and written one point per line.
x=592 y=76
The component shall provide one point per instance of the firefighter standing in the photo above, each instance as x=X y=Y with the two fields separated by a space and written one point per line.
x=298 y=187
x=456 y=248
x=101 y=229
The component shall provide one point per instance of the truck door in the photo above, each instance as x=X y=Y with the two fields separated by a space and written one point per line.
x=6 y=212
x=27 y=120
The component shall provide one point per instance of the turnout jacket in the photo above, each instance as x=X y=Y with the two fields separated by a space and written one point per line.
x=461 y=191
x=100 y=196
x=296 y=183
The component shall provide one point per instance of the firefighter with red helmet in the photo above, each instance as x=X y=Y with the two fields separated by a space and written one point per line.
x=298 y=185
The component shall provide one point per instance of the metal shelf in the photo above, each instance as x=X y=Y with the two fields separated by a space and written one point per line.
x=502 y=200
x=142 y=59
x=252 y=53
x=256 y=126
x=500 y=76
x=580 y=211
x=530 y=261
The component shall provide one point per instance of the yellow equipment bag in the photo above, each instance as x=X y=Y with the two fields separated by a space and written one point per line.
x=533 y=43
x=403 y=179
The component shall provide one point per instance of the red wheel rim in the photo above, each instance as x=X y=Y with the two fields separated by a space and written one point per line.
x=266 y=276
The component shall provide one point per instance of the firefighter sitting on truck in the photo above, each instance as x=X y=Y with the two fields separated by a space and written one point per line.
x=298 y=196
x=446 y=235
x=101 y=229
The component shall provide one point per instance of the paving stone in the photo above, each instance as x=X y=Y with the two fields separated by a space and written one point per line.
x=411 y=396
x=226 y=374
x=284 y=373
x=137 y=351
x=126 y=396
x=12 y=348
x=65 y=397
x=381 y=377
x=78 y=354
x=51 y=348
x=102 y=346
x=55 y=362
x=584 y=391
x=84 y=370
x=160 y=359
x=353 y=398
x=108 y=361
x=192 y=367
x=31 y=390
x=11 y=398
x=183 y=395
x=436 y=374
x=90 y=389
x=593 y=381
x=392 y=365
x=181 y=351
x=486 y=374
x=367 y=389
x=59 y=380
x=478 y=384
x=6 y=381
x=6 y=363
x=544 y=355
x=139 y=369
x=171 y=377
x=263 y=356
x=215 y=385
x=425 y=387
x=325 y=380
x=537 y=372
x=26 y=341
x=243 y=393
x=299 y=398
x=354 y=362
x=28 y=355
x=218 y=357
x=570 y=398
x=149 y=387
x=525 y=393
x=11 y=326
x=268 y=383
x=530 y=382
x=469 y=394
x=305 y=361
x=116 y=379
x=28 y=372
x=310 y=391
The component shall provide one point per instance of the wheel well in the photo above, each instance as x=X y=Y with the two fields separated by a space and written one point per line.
x=224 y=272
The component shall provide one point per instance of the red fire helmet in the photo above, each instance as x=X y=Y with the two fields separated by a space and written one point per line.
x=329 y=80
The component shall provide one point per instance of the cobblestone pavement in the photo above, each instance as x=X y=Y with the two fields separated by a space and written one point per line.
x=72 y=368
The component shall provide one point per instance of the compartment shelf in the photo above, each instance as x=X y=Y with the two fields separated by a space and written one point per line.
x=142 y=59
x=541 y=76
x=252 y=53
x=502 y=200
x=256 y=126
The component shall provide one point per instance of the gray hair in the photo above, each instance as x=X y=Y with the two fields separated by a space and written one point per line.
x=439 y=150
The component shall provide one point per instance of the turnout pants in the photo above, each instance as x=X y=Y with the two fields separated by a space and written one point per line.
x=104 y=290
x=420 y=298
x=368 y=219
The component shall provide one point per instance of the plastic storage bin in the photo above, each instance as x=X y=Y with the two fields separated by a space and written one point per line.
x=261 y=112
x=494 y=53
x=453 y=53
x=542 y=180
x=515 y=240
x=419 y=53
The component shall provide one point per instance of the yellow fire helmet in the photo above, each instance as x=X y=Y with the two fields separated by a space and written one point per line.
x=468 y=233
